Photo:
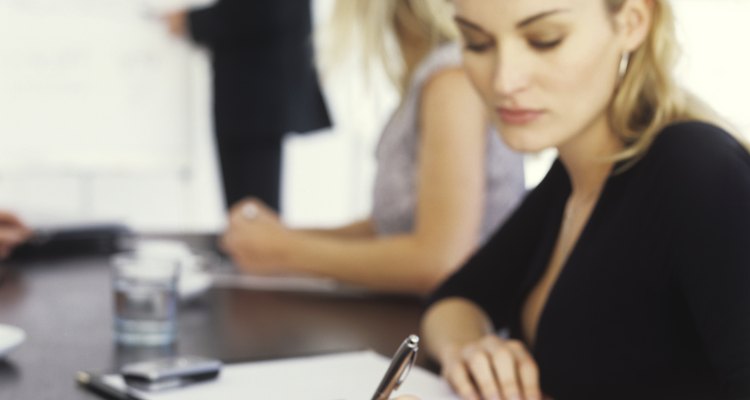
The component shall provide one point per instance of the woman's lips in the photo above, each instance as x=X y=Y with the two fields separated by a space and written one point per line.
x=518 y=116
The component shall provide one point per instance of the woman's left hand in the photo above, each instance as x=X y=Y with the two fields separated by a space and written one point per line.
x=176 y=22
x=255 y=239
x=13 y=232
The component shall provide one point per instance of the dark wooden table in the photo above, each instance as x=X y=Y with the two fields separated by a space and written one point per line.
x=65 y=307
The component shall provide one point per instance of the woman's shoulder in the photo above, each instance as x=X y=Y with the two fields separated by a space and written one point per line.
x=697 y=156
x=698 y=143
x=445 y=56
x=696 y=149
x=445 y=53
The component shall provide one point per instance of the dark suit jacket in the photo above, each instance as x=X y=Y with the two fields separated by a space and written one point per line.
x=264 y=80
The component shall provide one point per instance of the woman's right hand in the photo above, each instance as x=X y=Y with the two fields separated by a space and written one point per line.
x=492 y=368
x=256 y=239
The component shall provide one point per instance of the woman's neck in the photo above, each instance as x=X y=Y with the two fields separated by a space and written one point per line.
x=585 y=157
x=413 y=42
x=413 y=55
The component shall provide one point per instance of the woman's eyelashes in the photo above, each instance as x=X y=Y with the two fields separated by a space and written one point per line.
x=544 y=44
x=476 y=41
x=478 y=47
x=542 y=41
x=540 y=45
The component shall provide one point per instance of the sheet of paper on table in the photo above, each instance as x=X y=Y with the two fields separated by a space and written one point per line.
x=342 y=376
x=311 y=284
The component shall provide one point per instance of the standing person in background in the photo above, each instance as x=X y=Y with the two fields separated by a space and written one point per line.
x=444 y=180
x=264 y=86
x=13 y=232
x=625 y=273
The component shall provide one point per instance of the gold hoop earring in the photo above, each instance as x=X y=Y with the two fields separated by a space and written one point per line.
x=624 y=63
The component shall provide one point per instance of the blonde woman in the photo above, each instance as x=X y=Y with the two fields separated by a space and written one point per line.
x=444 y=180
x=626 y=272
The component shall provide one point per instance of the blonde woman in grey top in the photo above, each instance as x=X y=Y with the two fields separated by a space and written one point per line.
x=444 y=181
x=398 y=154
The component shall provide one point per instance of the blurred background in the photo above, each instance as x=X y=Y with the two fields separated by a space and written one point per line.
x=104 y=116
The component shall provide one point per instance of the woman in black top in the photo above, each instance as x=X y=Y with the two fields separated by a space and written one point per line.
x=626 y=272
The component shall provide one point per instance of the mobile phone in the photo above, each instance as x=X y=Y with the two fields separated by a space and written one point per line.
x=169 y=373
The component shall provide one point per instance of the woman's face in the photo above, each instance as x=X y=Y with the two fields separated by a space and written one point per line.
x=547 y=69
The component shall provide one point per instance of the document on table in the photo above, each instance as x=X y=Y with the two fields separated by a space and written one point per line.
x=311 y=284
x=342 y=376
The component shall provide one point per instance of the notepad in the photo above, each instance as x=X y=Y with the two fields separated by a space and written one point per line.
x=341 y=376
x=295 y=284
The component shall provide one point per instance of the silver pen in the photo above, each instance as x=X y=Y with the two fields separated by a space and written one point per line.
x=400 y=366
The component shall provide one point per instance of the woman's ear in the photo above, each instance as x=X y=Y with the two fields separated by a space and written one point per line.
x=634 y=21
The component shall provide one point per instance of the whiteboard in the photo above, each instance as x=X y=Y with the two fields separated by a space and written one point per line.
x=92 y=84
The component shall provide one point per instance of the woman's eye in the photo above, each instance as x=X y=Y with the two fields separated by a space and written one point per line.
x=477 y=47
x=545 y=44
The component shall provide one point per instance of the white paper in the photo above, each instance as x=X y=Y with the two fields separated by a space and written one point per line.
x=343 y=376
x=10 y=338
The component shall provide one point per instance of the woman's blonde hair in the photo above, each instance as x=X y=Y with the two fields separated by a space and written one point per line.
x=382 y=25
x=648 y=97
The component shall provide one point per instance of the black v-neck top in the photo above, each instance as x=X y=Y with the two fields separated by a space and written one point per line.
x=654 y=299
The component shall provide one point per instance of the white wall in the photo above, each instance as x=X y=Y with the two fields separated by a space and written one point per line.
x=132 y=159
x=716 y=62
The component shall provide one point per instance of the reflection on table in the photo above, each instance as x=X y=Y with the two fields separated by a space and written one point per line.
x=65 y=307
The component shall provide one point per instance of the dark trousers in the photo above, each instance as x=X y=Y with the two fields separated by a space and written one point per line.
x=251 y=168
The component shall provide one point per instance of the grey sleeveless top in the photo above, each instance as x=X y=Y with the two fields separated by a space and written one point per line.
x=395 y=189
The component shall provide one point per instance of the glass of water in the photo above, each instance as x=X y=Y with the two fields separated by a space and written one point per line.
x=145 y=299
